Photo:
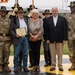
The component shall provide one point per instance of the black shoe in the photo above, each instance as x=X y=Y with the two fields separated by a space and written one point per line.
x=45 y=65
x=71 y=69
x=61 y=69
x=15 y=70
x=20 y=66
x=26 y=69
x=38 y=69
x=52 y=69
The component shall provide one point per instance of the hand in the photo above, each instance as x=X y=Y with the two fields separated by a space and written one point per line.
x=17 y=36
x=34 y=38
x=48 y=41
x=64 y=41
x=31 y=34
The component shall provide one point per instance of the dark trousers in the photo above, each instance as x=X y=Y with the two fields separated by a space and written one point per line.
x=47 y=54
x=30 y=57
x=35 y=47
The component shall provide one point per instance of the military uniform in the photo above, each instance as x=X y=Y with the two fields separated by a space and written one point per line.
x=47 y=54
x=71 y=38
x=5 y=43
x=4 y=39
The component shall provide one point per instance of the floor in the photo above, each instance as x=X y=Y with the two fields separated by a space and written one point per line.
x=43 y=70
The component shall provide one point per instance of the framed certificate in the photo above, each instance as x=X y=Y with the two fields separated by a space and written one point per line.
x=21 y=31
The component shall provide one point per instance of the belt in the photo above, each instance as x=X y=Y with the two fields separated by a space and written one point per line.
x=4 y=34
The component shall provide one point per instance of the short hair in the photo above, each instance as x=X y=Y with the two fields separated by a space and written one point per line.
x=35 y=11
x=54 y=8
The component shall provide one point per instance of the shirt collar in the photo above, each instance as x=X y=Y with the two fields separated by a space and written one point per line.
x=55 y=17
x=21 y=19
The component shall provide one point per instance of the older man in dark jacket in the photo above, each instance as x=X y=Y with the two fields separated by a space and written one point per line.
x=56 y=35
x=20 y=40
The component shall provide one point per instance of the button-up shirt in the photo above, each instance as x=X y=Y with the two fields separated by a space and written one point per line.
x=22 y=24
x=55 y=20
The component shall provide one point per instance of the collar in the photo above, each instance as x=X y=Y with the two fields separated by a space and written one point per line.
x=55 y=17
x=21 y=18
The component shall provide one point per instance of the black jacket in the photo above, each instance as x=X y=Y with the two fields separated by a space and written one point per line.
x=57 y=33
x=44 y=27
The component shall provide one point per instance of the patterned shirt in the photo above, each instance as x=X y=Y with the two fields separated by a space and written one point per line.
x=36 y=27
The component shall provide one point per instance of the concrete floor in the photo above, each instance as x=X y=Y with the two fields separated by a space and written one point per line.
x=43 y=70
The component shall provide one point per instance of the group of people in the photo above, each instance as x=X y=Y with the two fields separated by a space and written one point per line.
x=54 y=30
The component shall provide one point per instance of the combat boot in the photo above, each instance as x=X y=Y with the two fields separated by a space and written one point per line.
x=71 y=68
x=7 y=69
x=1 y=70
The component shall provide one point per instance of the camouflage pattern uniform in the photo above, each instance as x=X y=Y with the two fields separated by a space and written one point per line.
x=71 y=34
x=5 y=41
x=71 y=39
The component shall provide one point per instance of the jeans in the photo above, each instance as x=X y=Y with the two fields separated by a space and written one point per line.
x=24 y=45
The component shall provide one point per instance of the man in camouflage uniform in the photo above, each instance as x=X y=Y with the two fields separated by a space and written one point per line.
x=71 y=35
x=5 y=40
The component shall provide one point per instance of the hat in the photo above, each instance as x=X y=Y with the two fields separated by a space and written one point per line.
x=15 y=5
x=3 y=8
x=20 y=10
x=47 y=11
x=31 y=7
x=72 y=4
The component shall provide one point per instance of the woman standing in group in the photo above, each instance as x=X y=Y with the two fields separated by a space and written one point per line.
x=36 y=32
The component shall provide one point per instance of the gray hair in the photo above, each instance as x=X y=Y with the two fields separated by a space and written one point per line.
x=35 y=11
x=54 y=8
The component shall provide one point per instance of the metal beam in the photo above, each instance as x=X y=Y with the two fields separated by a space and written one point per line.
x=33 y=4
x=16 y=1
